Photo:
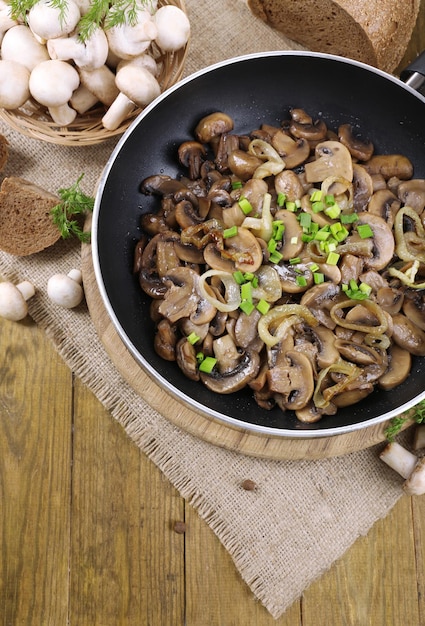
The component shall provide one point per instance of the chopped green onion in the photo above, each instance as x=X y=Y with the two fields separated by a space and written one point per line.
x=333 y=211
x=239 y=277
x=193 y=338
x=245 y=205
x=341 y=234
x=349 y=218
x=200 y=356
x=271 y=245
x=322 y=234
x=353 y=285
x=230 y=232
x=281 y=197
x=316 y=196
x=207 y=365
x=313 y=267
x=263 y=306
x=330 y=199
x=365 y=231
x=365 y=288
x=247 y=307
x=295 y=260
x=246 y=292
x=317 y=207
x=333 y=258
x=237 y=184
x=318 y=278
x=301 y=281
x=291 y=206
x=305 y=221
x=275 y=257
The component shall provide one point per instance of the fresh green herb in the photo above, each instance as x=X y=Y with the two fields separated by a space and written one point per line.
x=74 y=202
x=397 y=423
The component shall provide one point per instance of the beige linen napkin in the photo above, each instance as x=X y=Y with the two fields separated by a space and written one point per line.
x=303 y=515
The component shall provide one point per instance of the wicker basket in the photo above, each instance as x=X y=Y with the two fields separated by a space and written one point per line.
x=33 y=120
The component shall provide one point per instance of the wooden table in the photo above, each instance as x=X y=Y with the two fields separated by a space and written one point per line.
x=87 y=521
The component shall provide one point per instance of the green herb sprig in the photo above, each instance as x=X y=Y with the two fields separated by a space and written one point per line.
x=397 y=423
x=101 y=13
x=73 y=202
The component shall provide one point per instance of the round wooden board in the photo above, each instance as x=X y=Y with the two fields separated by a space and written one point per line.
x=208 y=429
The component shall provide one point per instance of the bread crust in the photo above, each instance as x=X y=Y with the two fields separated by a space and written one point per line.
x=375 y=32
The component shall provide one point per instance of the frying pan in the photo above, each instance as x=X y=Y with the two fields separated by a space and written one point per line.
x=252 y=89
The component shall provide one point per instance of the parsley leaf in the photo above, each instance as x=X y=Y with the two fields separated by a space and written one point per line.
x=74 y=202
x=397 y=423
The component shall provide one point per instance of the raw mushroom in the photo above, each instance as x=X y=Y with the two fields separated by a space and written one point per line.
x=14 y=84
x=20 y=45
x=51 y=84
x=137 y=88
x=127 y=41
x=47 y=20
x=65 y=289
x=13 y=299
x=6 y=21
x=407 y=465
x=89 y=55
x=99 y=82
x=173 y=28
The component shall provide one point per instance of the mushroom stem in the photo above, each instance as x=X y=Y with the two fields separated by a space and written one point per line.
x=419 y=437
x=27 y=289
x=399 y=459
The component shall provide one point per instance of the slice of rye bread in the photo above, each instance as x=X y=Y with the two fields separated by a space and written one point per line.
x=4 y=151
x=26 y=225
x=376 y=32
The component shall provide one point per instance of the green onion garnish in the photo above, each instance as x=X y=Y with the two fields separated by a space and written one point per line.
x=230 y=232
x=207 y=364
x=365 y=231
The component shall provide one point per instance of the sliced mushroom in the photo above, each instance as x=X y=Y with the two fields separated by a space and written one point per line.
x=414 y=309
x=293 y=151
x=327 y=354
x=186 y=359
x=288 y=183
x=289 y=274
x=384 y=204
x=246 y=330
x=311 y=413
x=212 y=126
x=160 y=185
x=399 y=365
x=181 y=298
x=320 y=299
x=390 y=299
x=226 y=353
x=244 y=250
x=408 y=336
x=165 y=340
x=302 y=126
x=362 y=188
x=332 y=159
x=292 y=236
x=245 y=371
x=389 y=165
x=191 y=155
x=294 y=382
x=358 y=353
x=242 y=164
x=359 y=148
x=383 y=241
x=412 y=193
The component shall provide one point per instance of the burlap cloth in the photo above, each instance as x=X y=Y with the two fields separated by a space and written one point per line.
x=304 y=514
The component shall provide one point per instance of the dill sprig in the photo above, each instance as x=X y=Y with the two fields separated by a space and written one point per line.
x=73 y=202
x=397 y=423
x=101 y=13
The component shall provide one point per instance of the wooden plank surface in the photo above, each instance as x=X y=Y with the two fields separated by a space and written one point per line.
x=87 y=521
x=87 y=526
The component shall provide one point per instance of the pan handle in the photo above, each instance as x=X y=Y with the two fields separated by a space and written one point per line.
x=414 y=74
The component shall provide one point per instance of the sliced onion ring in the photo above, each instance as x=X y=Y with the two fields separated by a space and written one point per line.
x=232 y=291
x=368 y=304
x=351 y=371
x=277 y=316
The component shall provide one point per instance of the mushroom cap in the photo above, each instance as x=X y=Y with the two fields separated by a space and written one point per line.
x=47 y=21
x=332 y=158
x=90 y=54
x=138 y=84
x=52 y=82
x=173 y=28
x=130 y=40
x=64 y=291
x=20 y=45
x=14 y=84
x=415 y=484
x=13 y=305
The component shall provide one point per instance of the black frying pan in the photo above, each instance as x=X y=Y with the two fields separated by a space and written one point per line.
x=252 y=90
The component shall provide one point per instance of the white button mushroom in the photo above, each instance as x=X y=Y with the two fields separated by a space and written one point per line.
x=51 y=84
x=48 y=20
x=89 y=54
x=137 y=87
x=20 y=45
x=6 y=20
x=173 y=28
x=13 y=299
x=14 y=84
x=101 y=83
x=144 y=60
x=407 y=465
x=65 y=289
x=129 y=40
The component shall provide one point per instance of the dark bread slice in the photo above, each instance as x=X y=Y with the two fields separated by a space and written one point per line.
x=376 y=32
x=4 y=151
x=26 y=225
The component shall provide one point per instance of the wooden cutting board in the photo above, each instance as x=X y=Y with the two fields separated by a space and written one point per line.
x=208 y=429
